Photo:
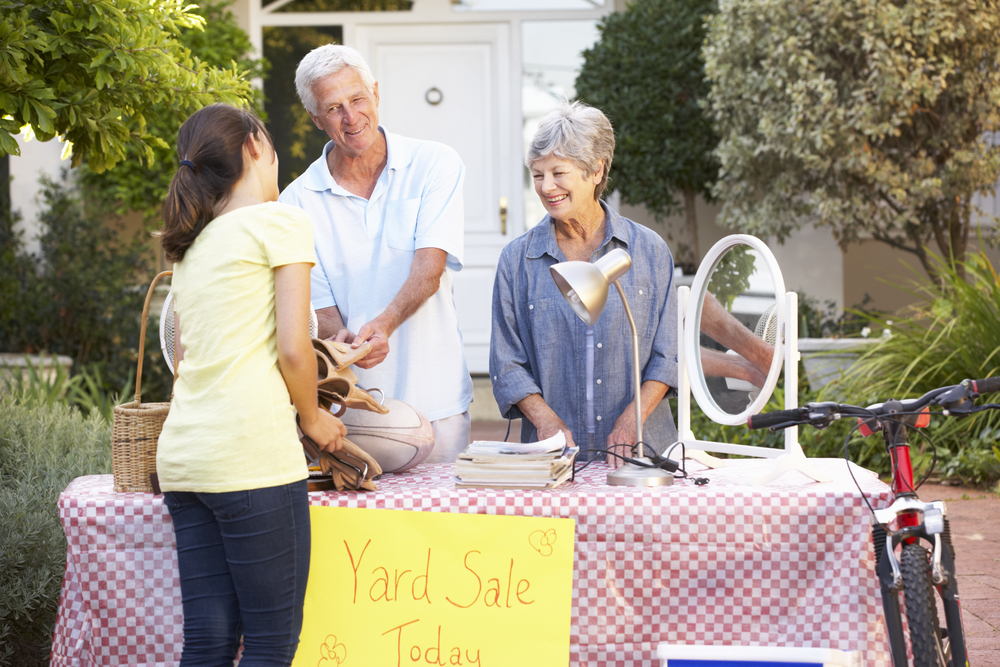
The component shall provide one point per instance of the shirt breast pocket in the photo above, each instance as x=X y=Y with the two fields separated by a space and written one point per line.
x=547 y=330
x=401 y=224
x=644 y=304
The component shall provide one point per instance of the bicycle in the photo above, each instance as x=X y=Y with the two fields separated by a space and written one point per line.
x=908 y=524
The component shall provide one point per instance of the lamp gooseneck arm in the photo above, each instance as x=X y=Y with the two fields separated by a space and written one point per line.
x=636 y=373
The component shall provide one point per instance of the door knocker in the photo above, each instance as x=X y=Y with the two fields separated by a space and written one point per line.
x=434 y=96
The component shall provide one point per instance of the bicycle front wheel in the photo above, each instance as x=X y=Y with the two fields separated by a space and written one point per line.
x=926 y=639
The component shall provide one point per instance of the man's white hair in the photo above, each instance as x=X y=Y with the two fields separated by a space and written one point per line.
x=323 y=61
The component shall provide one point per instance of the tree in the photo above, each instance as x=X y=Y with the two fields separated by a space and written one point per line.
x=99 y=72
x=646 y=73
x=866 y=116
x=131 y=185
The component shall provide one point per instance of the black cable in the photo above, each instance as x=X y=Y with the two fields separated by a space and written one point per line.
x=847 y=460
x=658 y=462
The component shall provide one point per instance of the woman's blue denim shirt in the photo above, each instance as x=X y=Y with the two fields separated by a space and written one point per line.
x=538 y=343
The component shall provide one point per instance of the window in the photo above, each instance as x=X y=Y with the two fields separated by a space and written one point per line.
x=296 y=139
x=345 y=6
x=551 y=58
x=523 y=5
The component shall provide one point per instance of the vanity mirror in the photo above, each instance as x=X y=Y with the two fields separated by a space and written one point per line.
x=738 y=330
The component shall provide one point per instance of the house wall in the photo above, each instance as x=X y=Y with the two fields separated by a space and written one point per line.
x=883 y=273
x=37 y=158
x=810 y=261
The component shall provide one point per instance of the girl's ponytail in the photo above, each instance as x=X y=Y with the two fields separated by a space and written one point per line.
x=210 y=144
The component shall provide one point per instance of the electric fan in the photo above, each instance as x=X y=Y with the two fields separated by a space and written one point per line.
x=767 y=328
x=167 y=329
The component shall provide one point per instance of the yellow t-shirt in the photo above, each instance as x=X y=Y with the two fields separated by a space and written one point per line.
x=231 y=424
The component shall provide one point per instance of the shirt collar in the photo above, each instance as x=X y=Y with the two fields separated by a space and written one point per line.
x=543 y=236
x=318 y=178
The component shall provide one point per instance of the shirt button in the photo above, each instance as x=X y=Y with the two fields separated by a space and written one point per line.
x=598 y=382
x=598 y=417
x=640 y=292
x=600 y=345
x=531 y=306
x=494 y=377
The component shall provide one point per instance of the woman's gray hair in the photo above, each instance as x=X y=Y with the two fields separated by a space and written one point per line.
x=323 y=61
x=579 y=133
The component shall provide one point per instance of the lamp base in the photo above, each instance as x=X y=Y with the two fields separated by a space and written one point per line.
x=633 y=475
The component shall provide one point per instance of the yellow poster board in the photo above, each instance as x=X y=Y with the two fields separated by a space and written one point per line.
x=392 y=588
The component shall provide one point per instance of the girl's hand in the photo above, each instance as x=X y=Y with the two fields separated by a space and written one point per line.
x=326 y=431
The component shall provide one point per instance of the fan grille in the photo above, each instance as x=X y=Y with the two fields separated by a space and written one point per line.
x=767 y=325
x=167 y=329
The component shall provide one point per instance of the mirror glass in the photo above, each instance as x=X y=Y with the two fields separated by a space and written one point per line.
x=738 y=321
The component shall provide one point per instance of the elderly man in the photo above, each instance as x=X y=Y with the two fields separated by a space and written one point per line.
x=388 y=220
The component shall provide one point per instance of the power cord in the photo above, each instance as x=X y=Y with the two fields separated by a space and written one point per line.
x=655 y=460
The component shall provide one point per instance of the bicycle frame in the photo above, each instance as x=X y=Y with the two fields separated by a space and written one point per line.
x=910 y=520
x=908 y=524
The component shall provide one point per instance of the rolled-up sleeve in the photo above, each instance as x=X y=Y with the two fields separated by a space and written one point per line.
x=510 y=353
x=441 y=217
x=662 y=364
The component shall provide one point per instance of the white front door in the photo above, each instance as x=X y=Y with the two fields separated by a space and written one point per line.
x=450 y=83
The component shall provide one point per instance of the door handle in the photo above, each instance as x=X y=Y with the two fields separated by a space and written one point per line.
x=503 y=216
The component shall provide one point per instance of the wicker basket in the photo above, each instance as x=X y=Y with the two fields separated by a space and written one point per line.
x=137 y=425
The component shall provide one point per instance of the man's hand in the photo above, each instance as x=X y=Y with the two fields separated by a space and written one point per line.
x=424 y=279
x=720 y=364
x=622 y=438
x=377 y=333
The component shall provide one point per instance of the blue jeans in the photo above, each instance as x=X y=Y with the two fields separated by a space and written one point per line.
x=243 y=558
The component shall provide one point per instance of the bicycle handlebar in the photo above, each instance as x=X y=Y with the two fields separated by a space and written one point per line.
x=776 y=418
x=987 y=386
x=957 y=399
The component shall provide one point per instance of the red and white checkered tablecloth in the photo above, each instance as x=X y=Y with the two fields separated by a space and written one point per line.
x=787 y=564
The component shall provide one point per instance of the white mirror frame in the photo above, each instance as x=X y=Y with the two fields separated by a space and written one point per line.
x=689 y=307
x=691 y=335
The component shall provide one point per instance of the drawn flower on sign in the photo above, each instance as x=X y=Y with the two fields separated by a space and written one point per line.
x=331 y=653
x=542 y=541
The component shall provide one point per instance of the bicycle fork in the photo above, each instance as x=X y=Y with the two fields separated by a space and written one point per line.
x=943 y=575
x=909 y=520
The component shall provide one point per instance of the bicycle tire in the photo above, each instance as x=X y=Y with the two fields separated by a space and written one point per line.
x=921 y=607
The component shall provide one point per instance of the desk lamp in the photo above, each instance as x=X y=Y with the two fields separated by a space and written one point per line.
x=585 y=287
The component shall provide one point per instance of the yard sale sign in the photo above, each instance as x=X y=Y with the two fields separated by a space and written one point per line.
x=391 y=588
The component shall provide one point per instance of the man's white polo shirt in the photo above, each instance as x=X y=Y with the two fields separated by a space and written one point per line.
x=365 y=249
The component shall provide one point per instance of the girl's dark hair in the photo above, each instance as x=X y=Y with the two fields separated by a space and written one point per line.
x=210 y=147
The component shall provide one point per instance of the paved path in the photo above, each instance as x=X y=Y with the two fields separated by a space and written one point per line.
x=974 y=515
x=975 y=528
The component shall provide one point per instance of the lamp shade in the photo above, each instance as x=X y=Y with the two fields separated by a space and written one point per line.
x=585 y=285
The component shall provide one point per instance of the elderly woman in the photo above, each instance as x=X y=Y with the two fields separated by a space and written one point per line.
x=547 y=366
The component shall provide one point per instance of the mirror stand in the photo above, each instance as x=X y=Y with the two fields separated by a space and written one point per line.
x=689 y=316
x=793 y=457
x=684 y=433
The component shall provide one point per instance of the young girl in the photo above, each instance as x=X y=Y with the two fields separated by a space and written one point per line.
x=229 y=460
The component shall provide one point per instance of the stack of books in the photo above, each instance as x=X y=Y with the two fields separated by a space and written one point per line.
x=508 y=465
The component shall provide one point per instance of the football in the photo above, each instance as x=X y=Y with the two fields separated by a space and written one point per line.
x=398 y=440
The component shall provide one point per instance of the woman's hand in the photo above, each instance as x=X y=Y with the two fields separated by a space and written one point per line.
x=547 y=423
x=622 y=438
x=325 y=430
x=623 y=435
x=549 y=428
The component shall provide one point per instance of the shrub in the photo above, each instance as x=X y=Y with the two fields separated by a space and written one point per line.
x=952 y=333
x=134 y=184
x=81 y=296
x=42 y=449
